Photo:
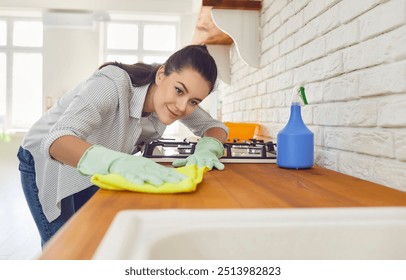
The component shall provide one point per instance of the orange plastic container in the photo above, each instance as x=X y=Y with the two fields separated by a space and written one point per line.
x=241 y=131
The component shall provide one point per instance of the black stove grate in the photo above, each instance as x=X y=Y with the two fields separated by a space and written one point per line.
x=254 y=149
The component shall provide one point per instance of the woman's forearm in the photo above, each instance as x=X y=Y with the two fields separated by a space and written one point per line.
x=68 y=149
x=217 y=133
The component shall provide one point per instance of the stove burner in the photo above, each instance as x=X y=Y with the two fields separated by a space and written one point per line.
x=255 y=151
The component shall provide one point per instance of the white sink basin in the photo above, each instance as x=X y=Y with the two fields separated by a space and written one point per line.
x=310 y=233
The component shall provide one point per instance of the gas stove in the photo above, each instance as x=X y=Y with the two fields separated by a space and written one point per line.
x=253 y=151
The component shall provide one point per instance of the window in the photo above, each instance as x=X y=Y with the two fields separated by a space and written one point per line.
x=20 y=72
x=134 y=38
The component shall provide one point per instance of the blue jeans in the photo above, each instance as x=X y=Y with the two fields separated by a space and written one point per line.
x=69 y=205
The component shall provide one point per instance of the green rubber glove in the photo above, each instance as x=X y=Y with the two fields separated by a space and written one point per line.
x=136 y=169
x=207 y=152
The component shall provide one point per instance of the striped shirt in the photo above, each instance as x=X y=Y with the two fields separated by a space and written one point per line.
x=105 y=109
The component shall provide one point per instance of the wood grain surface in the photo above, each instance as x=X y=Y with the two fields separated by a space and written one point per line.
x=238 y=186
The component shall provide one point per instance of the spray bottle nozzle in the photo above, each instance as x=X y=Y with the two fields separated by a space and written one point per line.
x=299 y=96
x=302 y=95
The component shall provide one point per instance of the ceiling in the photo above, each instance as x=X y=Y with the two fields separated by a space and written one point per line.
x=142 y=6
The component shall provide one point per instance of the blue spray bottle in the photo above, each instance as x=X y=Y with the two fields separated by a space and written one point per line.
x=295 y=142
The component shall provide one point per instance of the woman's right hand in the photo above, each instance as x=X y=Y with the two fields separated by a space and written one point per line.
x=136 y=169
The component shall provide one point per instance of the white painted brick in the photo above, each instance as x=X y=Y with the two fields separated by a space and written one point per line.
x=328 y=66
x=356 y=113
x=265 y=12
x=280 y=34
x=382 y=79
x=307 y=114
x=282 y=81
x=337 y=138
x=373 y=142
x=302 y=75
x=266 y=100
x=357 y=165
x=252 y=90
x=267 y=71
x=306 y=34
x=385 y=48
x=237 y=116
x=267 y=43
x=276 y=7
x=355 y=86
x=314 y=92
x=313 y=9
x=227 y=108
x=314 y=49
x=393 y=113
x=299 y=5
x=275 y=99
x=363 y=55
x=257 y=76
x=327 y=21
x=327 y=159
x=290 y=95
x=400 y=144
x=287 y=12
x=366 y=141
x=250 y=116
x=294 y=59
x=320 y=69
x=267 y=115
x=318 y=134
x=254 y=103
x=287 y=45
x=279 y=65
x=241 y=95
x=327 y=114
x=270 y=55
x=294 y=23
x=330 y=3
x=242 y=105
x=264 y=31
x=344 y=87
x=350 y=9
x=360 y=113
x=343 y=36
x=390 y=174
x=262 y=88
x=284 y=114
x=274 y=23
x=382 y=18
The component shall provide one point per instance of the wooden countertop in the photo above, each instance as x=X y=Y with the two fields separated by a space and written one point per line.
x=238 y=186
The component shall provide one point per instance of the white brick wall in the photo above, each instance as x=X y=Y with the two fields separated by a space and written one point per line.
x=351 y=57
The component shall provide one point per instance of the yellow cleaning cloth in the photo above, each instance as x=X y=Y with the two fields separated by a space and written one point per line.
x=117 y=182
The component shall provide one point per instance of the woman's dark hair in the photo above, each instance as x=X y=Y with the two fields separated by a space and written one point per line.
x=195 y=57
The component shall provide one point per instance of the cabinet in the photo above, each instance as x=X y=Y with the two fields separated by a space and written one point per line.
x=222 y=23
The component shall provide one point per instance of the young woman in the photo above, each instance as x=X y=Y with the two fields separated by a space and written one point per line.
x=97 y=126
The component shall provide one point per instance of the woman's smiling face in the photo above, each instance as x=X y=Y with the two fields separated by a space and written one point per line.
x=177 y=95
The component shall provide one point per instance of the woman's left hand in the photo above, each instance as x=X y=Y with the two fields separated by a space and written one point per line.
x=207 y=152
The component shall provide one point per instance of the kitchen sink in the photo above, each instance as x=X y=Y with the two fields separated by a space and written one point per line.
x=245 y=234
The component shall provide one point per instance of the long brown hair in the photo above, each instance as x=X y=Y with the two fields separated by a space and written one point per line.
x=196 y=57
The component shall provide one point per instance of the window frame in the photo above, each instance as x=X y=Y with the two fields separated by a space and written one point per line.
x=141 y=21
x=9 y=49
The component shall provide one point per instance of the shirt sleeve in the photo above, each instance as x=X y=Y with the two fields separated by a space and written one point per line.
x=84 y=113
x=200 y=121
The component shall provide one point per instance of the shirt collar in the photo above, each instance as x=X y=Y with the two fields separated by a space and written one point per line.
x=137 y=100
